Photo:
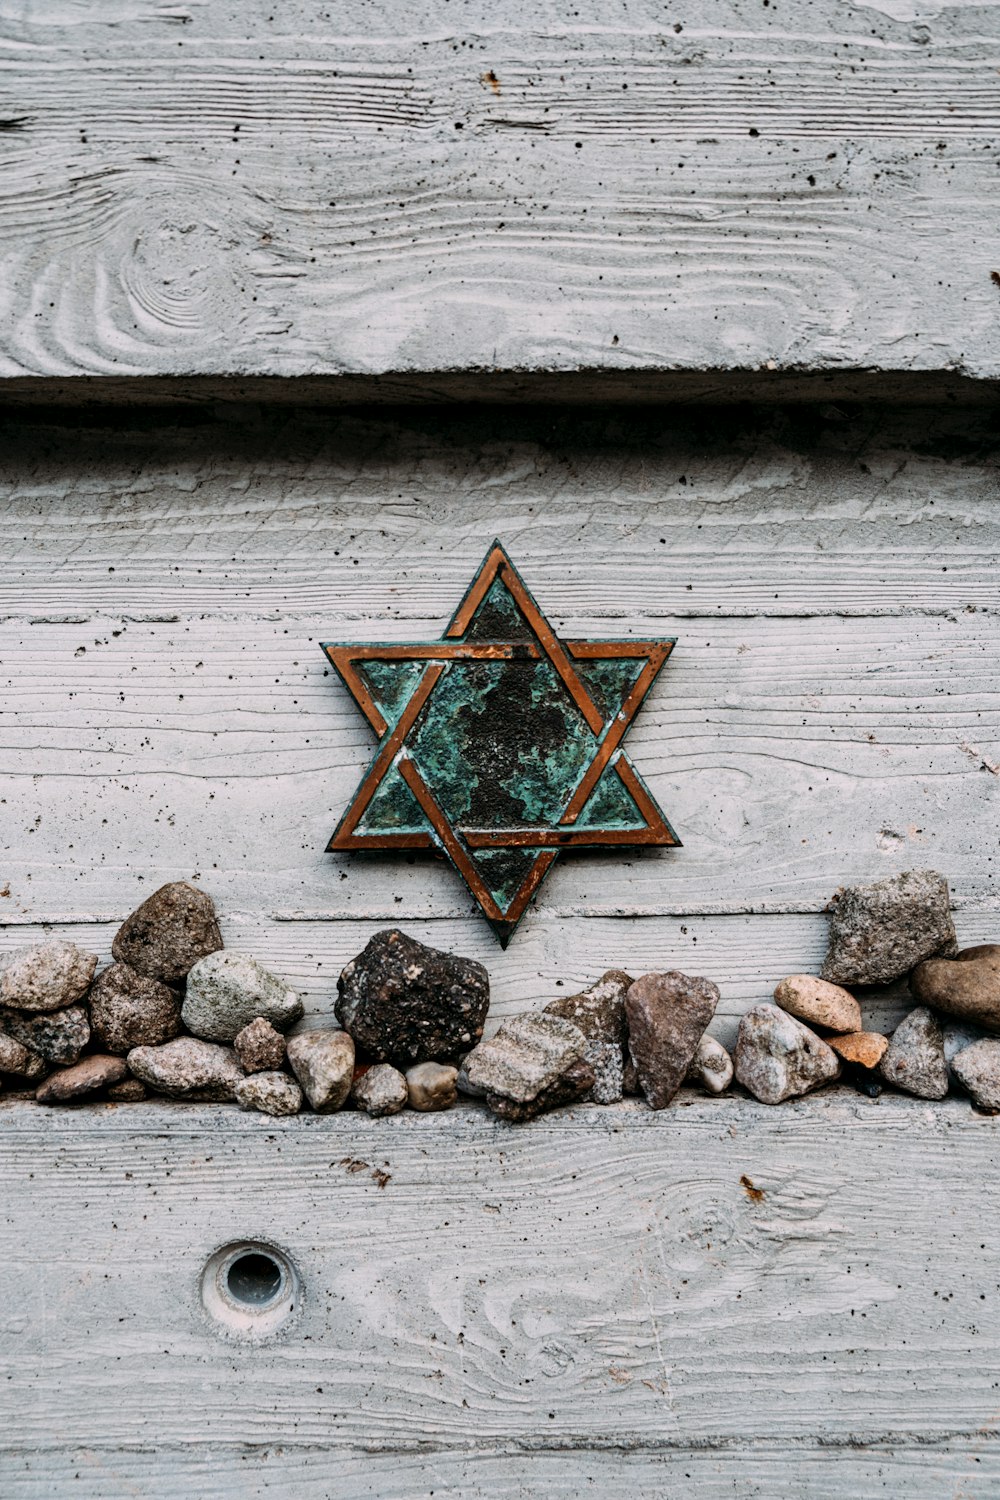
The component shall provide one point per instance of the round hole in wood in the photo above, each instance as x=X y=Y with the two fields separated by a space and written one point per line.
x=250 y=1289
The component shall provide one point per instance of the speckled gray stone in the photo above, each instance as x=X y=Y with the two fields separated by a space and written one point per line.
x=711 y=1067
x=966 y=986
x=599 y=1012
x=778 y=1058
x=58 y=1036
x=667 y=1015
x=226 y=991
x=528 y=1052
x=94 y=1073
x=269 y=1093
x=381 y=1090
x=259 y=1047
x=323 y=1062
x=129 y=1010
x=169 y=932
x=188 y=1068
x=406 y=1003
x=879 y=932
x=915 y=1060
x=977 y=1069
x=49 y=976
x=431 y=1086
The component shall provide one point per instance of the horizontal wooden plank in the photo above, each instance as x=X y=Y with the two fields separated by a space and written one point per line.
x=789 y=762
x=233 y=189
x=786 y=1471
x=598 y=1278
x=622 y=515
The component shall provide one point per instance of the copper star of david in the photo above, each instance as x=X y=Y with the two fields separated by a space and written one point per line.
x=500 y=744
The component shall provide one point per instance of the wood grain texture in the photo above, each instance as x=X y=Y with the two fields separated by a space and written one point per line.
x=250 y=191
x=598 y=1279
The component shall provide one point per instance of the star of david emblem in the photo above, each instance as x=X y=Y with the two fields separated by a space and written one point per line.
x=501 y=744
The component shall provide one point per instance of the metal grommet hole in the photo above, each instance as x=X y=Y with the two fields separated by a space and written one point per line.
x=250 y=1289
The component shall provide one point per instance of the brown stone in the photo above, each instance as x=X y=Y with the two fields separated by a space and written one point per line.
x=259 y=1047
x=865 y=1048
x=14 y=1056
x=128 y=1009
x=131 y=1091
x=667 y=1015
x=571 y=1086
x=97 y=1072
x=168 y=933
x=819 y=1003
x=431 y=1086
x=967 y=986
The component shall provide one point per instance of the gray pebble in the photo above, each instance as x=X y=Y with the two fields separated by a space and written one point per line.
x=226 y=991
x=977 y=1069
x=129 y=1010
x=777 y=1057
x=270 y=1093
x=915 y=1060
x=380 y=1090
x=323 y=1062
x=169 y=932
x=47 y=977
x=59 y=1037
x=187 y=1068
x=431 y=1086
x=878 y=932
x=529 y=1052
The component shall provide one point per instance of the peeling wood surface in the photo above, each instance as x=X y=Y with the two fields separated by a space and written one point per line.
x=251 y=190
x=599 y=1279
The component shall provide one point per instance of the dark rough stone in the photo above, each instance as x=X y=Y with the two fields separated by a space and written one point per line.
x=405 y=1003
x=878 y=932
x=667 y=1015
x=188 y=1068
x=49 y=976
x=915 y=1060
x=599 y=1012
x=867 y=1081
x=977 y=1069
x=131 y=1010
x=59 y=1037
x=568 y=1088
x=777 y=1057
x=87 y=1077
x=966 y=986
x=168 y=933
x=132 y=1091
x=259 y=1047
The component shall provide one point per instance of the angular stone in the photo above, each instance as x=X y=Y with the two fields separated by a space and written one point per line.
x=49 y=976
x=529 y=1052
x=915 y=1057
x=878 y=932
x=977 y=1069
x=59 y=1036
x=270 y=1093
x=966 y=986
x=431 y=1086
x=779 y=1058
x=667 y=1015
x=226 y=991
x=465 y=1085
x=168 y=933
x=131 y=1091
x=405 y=1003
x=128 y=1009
x=819 y=1003
x=865 y=1049
x=711 y=1066
x=381 y=1090
x=569 y=1088
x=187 y=1068
x=599 y=1012
x=14 y=1056
x=259 y=1047
x=323 y=1062
x=97 y=1072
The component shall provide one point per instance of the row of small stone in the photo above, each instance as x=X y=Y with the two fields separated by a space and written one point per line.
x=178 y=1015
